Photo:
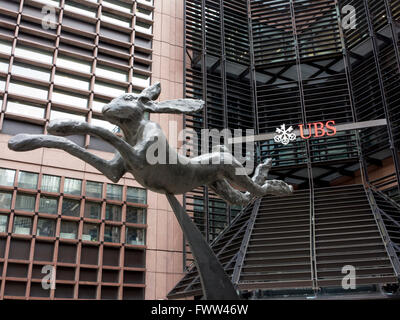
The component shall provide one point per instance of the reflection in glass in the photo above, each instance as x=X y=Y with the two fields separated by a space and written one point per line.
x=73 y=186
x=136 y=195
x=30 y=71
x=112 y=234
x=135 y=215
x=94 y=189
x=22 y=88
x=46 y=228
x=3 y=223
x=69 y=230
x=24 y=109
x=50 y=183
x=114 y=192
x=90 y=232
x=7 y=177
x=135 y=236
x=113 y=212
x=5 y=200
x=92 y=210
x=48 y=205
x=27 y=180
x=22 y=225
x=25 y=202
x=64 y=97
x=73 y=63
x=71 y=207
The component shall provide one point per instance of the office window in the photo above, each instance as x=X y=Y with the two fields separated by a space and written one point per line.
x=92 y=210
x=74 y=63
x=73 y=186
x=71 y=81
x=135 y=215
x=111 y=73
x=5 y=200
x=113 y=212
x=27 y=180
x=34 y=53
x=22 y=225
x=112 y=234
x=48 y=205
x=25 y=202
x=143 y=27
x=53 y=3
x=7 y=177
x=77 y=7
x=118 y=5
x=109 y=89
x=141 y=80
x=136 y=195
x=94 y=189
x=142 y=12
x=19 y=87
x=50 y=183
x=135 y=236
x=114 y=192
x=68 y=98
x=69 y=230
x=25 y=109
x=90 y=232
x=46 y=228
x=104 y=124
x=71 y=207
x=3 y=223
x=2 y=85
x=26 y=70
x=115 y=19
x=54 y=115
x=4 y=65
x=5 y=47
x=98 y=105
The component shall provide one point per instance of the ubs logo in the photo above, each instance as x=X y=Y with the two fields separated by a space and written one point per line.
x=315 y=129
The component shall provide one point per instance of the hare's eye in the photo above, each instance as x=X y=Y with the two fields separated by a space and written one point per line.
x=129 y=98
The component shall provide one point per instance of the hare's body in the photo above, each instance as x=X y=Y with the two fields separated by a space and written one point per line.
x=141 y=138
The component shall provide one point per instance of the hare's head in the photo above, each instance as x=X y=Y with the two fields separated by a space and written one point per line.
x=132 y=106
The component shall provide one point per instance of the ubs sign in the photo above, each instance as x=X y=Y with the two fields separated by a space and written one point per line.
x=315 y=129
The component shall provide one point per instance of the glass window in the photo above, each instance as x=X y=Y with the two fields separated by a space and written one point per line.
x=143 y=27
x=71 y=81
x=2 y=85
x=25 y=109
x=46 y=228
x=5 y=200
x=71 y=207
x=48 y=205
x=92 y=210
x=108 y=89
x=135 y=236
x=141 y=12
x=34 y=53
x=112 y=73
x=115 y=19
x=18 y=87
x=114 y=192
x=73 y=186
x=3 y=223
x=118 y=5
x=112 y=234
x=26 y=70
x=80 y=9
x=90 y=232
x=25 y=202
x=22 y=225
x=69 y=230
x=135 y=215
x=113 y=212
x=5 y=47
x=53 y=3
x=3 y=64
x=73 y=63
x=54 y=115
x=50 y=183
x=7 y=177
x=136 y=195
x=141 y=80
x=64 y=97
x=27 y=180
x=94 y=189
x=104 y=124
x=98 y=105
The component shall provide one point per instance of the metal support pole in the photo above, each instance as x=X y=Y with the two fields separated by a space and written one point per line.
x=216 y=284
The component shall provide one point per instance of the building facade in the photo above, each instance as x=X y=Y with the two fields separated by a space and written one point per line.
x=307 y=64
x=59 y=216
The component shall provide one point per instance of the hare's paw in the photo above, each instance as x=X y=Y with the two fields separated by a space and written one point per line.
x=24 y=142
x=64 y=127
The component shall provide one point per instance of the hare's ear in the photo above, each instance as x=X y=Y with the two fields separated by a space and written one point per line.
x=152 y=93
x=186 y=106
